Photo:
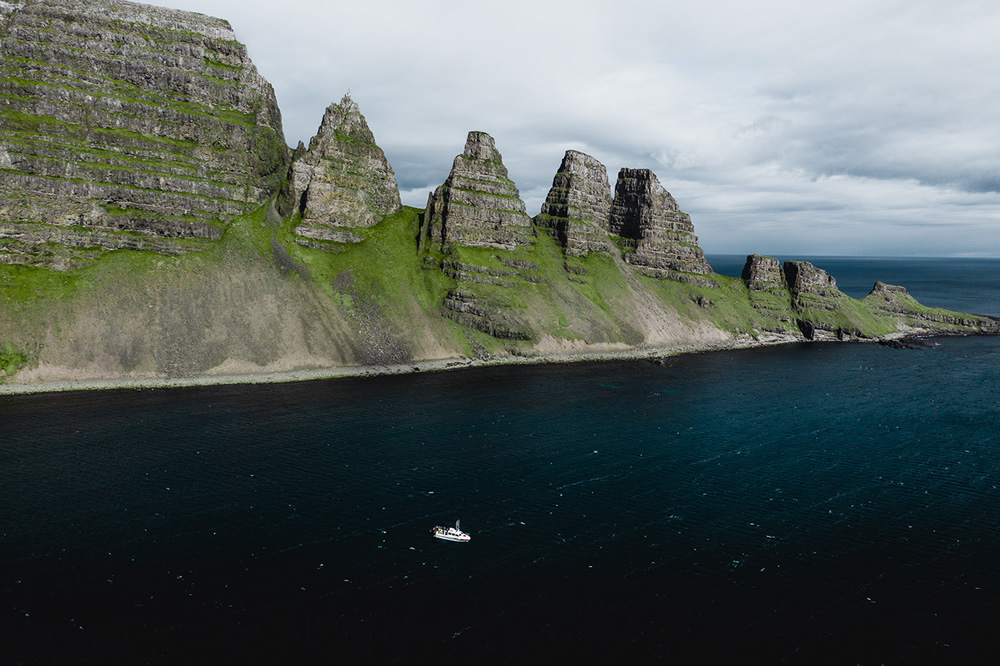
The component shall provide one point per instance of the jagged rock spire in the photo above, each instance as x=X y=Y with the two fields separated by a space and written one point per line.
x=645 y=212
x=578 y=205
x=477 y=204
x=344 y=179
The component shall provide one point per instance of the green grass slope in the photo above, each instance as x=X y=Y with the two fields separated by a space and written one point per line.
x=262 y=300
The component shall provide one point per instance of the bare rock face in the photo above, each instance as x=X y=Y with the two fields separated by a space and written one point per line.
x=804 y=278
x=762 y=273
x=578 y=205
x=121 y=119
x=478 y=205
x=644 y=212
x=768 y=292
x=344 y=179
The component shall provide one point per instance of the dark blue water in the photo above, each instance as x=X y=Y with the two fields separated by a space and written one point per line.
x=823 y=503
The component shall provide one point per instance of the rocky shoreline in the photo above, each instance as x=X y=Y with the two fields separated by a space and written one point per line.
x=910 y=340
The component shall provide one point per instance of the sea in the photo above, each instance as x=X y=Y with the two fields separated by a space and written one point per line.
x=824 y=503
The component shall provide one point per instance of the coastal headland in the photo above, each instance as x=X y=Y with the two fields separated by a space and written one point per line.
x=156 y=230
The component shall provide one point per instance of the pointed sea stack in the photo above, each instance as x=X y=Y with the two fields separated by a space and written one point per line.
x=478 y=204
x=577 y=208
x=344 y=179
x=643 y=211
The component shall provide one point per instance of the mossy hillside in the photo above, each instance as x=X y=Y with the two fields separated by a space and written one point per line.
x=386 y=265
x=725 y=307
x=910 y=313
x=12 y=359
x=383 y=282
x=538 y=290
x=583 y=299
x=140 y=313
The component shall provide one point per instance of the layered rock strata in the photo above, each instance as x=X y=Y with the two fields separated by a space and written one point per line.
x=578 y=205
x=665 y=244
x=812 y=291
x=768 y=291
x=344 y=179
x=119 y=119
x=762 y=273
x=803 y=278
x=798 y=296
x=895 y=300
x=478 y=205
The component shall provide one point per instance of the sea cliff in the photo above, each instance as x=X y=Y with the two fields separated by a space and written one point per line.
x=155 y=226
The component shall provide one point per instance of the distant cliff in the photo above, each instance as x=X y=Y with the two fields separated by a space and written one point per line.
x=153 y=223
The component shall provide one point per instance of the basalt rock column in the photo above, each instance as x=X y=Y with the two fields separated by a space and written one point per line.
x=805 y=279
x=344 y=179
x=815 y=299
x=127 y=126
x=645 y=212
x=762 y=273
x=478 y=204
x=578 y=205
x=768 y=292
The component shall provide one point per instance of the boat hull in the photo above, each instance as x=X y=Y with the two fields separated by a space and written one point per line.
x=450 y=534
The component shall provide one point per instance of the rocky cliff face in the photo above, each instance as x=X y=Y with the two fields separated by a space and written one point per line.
x=798 y=295
x=892 y=300
x=478 y=205
x=344 y=180
x=763 y=273
x=127 y=126
x=578 y=205
x=665 y=244
x=804 y=278
x=768 y=292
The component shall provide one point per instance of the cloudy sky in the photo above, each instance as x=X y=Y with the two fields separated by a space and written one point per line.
x=785 y=128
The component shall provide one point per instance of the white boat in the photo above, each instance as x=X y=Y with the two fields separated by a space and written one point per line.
x=450 y=533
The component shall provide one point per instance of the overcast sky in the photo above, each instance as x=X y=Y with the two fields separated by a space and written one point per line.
x=785 y=128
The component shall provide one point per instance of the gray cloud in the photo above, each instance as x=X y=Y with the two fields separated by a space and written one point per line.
x=782 y=127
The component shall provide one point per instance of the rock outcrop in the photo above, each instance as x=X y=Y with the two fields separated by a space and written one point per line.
x=762 y=273
x=344 y=179
x=121 y=119
x=478 y=205
x=798 y=296
x=646 y=214
x=893 y=300
x=768 y=292
x=804 y=278
x=578 y=205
